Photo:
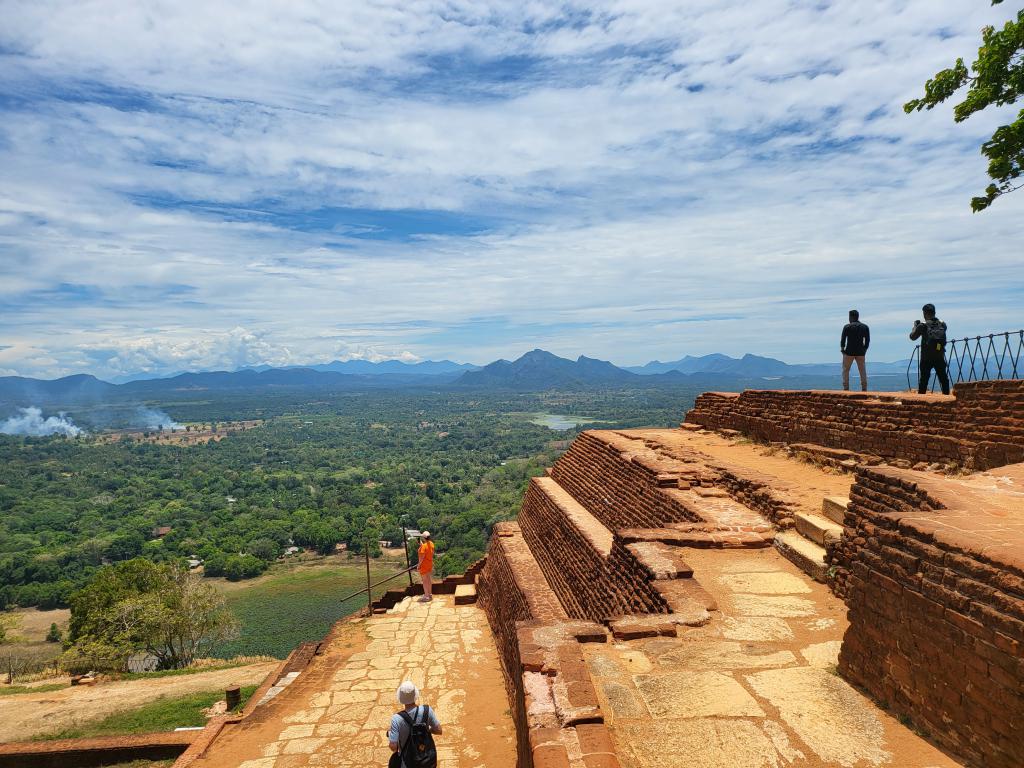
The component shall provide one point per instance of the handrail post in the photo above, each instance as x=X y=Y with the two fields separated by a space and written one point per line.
x=369 y=597
x=405 y=546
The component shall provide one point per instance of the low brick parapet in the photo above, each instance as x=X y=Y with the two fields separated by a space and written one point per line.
x=932 y=569
x=104 y=750
x=980 y=426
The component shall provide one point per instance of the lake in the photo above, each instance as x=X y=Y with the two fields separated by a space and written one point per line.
x=560 y=422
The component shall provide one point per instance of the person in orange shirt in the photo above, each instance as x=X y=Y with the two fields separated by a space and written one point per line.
x=426 y=565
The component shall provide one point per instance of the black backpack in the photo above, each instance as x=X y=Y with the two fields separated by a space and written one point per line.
x=936 y=334
x=418 y=750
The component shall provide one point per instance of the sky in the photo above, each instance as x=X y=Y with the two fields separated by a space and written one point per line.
x=208 y=185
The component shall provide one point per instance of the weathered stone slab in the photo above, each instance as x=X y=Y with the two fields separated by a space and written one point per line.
x=696 y=694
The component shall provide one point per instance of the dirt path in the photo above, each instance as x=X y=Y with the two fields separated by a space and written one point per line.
x=25 y=715
x=337 y=712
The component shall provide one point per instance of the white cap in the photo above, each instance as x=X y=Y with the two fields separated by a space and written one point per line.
x=407 y=693
x=425 y=534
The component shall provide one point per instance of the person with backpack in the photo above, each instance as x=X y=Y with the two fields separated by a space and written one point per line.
x=854 y=343
x=412 y=731
x=932 y=333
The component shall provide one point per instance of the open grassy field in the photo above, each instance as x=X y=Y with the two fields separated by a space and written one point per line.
x=293 y=603
x=164 y=714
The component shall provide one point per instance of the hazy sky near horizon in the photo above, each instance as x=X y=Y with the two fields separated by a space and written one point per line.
x=200 y=185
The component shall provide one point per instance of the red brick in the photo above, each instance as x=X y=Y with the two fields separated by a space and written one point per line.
x=550 y=756
x=594 y=738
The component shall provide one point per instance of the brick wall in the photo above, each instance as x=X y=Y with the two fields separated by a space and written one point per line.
x=620 y=489
x=756 y=492
x=554 y=703
x=590 y=584
x=981 y=427
x=934 y=581
x=511 y=589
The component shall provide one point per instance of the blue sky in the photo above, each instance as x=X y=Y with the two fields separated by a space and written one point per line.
x=198 y=185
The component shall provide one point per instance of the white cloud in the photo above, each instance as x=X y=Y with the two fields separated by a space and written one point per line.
x=655 y=179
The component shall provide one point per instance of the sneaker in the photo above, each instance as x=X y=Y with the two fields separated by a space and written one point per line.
x=423 y=600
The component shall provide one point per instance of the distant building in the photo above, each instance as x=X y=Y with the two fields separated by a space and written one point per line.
x=292 y=551
x=194 y=563
x=161 y=530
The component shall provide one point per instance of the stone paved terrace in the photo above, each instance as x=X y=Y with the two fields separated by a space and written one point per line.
x=755 y=687
x=337 y=711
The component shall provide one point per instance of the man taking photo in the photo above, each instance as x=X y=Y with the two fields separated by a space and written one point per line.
x=932 y=333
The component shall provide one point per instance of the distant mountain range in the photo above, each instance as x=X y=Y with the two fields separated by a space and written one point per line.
x=753 y=365
x=536 y=370
x=424 y=368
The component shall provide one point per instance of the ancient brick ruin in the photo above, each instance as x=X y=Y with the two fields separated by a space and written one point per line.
x=980 y=427
x=678 y=551
x=788 y=578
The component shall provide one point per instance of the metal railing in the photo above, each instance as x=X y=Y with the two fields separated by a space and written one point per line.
x=976 y=358
x=368 y=589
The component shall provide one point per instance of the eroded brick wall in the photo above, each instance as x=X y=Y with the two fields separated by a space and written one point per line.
x=936 y=628
x=757 y=493
x=982 y=427
x=511 y=589
x=588 y=584
x=619 y=491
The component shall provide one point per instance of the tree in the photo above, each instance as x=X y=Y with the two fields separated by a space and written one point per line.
x=54 y=635
x=239 y=567
x=142 y=607
x=997 y=79
x=265 y=549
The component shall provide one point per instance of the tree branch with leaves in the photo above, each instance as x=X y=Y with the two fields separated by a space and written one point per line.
x=996 y=78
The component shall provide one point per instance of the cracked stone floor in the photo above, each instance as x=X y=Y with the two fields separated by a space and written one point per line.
x=756 y=687
x=337 y=712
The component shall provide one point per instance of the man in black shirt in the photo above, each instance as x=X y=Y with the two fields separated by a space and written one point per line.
x=854 y=344
x=932 y=333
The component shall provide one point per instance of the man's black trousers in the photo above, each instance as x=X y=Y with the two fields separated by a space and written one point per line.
x=928 y=364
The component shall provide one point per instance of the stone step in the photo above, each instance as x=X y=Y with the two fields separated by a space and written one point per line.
x=817 y=528
x=806 y=555
x=465 y=594
x=834 y=508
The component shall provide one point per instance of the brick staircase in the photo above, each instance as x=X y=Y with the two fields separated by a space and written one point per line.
x=807 y=543
x=599 y=552
x=609 y=526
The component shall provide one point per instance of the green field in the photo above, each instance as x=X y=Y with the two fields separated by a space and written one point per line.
x=294 y=604
x=164 y=714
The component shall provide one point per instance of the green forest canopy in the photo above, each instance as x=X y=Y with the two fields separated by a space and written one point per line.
x=346 y=469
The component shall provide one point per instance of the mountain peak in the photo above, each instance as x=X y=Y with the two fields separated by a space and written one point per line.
x=540 y=369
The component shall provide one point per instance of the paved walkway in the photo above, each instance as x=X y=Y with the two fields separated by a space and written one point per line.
x=756 y=687
x=336 y=713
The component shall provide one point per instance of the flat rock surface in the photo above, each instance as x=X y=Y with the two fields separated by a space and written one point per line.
x=755 y=687
x=337 y=712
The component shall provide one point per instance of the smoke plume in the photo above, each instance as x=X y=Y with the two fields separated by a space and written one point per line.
x=150 y=418
x=32 y=423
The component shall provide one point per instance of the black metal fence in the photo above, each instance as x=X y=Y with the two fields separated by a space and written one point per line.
x=977 y=358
